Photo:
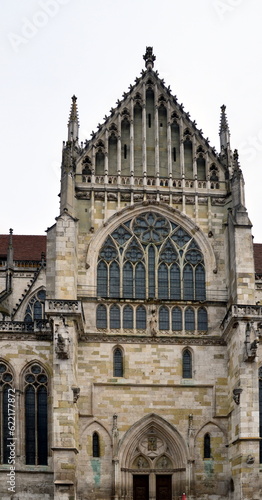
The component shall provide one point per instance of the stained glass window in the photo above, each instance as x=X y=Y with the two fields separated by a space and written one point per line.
x=36 y=415
x=151 y=257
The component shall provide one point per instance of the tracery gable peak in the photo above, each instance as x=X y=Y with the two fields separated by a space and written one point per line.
x=149 y=81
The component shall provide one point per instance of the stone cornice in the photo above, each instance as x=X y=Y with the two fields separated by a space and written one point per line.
x=135 y=339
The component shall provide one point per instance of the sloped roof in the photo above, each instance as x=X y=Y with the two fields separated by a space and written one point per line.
x=258 y=257
x=26 y=247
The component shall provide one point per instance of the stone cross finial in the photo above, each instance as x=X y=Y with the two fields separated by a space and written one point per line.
x=149 y=58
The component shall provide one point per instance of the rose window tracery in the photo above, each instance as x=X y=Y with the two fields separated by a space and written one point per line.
x=150 y=256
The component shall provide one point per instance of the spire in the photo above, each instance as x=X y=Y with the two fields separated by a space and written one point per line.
x=224 y=130
x=73 y=123
x=149 y=58
x=10 y=250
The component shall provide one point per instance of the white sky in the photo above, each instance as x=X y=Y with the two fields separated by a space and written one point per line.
x=208 y=51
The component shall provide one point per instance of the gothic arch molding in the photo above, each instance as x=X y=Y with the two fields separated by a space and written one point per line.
x=153 y=425
x=173 y=215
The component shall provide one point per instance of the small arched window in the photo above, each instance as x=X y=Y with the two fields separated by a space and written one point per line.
x=202 y=319
x=7 y=405
x=187 y=364
x=114 y=317
x=207 y=446
x=96 y=445
x=128 y=320
x=176 y=319
x=101 y=316
x=36 y=415
x=140 y=318
x=118 y=369
x=190 y=319
x=163 y=318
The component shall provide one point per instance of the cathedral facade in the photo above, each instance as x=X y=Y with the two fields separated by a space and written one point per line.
x=130 y=362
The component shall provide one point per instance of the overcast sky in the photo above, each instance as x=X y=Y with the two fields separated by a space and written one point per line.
x=208 y=51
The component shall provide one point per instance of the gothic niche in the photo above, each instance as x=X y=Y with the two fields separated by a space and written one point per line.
x=140 y=463
x=163 y=463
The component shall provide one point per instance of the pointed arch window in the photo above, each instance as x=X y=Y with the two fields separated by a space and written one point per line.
x=163 y=318
x=101 y=316
x=128 y=317
x=189 y=319
x=149 y=256
x=36 y=307
x=115 y=317
x=36 y=415
x=202 y=319
x=140 y=318
x=118 y=369
x=187 y=364
x=176 y=319
x=207 y=446
x=7 y=403
x=96 y=445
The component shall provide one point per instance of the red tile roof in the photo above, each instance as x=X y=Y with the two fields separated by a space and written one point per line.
x=258 y=257
x=26 y=247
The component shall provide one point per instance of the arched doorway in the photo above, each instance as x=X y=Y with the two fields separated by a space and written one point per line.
x=152 y=461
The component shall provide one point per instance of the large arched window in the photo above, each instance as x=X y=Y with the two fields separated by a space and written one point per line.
x=118 y=365
x=7 y=409
x=187 y=364
x=36 y=415
x=260 y=411
x=36 y=307
x=149 y=256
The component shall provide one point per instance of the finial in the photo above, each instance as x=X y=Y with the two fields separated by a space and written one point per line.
x=223 y=120
x=224 y=132
x=73 y=111
x=73 y=123
x=149 y=58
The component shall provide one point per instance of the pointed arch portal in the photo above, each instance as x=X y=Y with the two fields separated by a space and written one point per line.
x=152 y=460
